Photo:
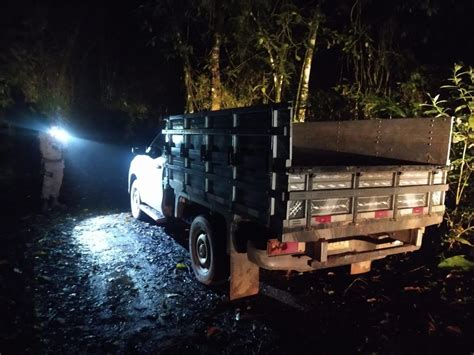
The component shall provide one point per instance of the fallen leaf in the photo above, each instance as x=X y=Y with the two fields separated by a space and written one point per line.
x=40 y=253
x=212 y=331
x=45 y=278
x=453 y=329
x=431 y=328
x=414 y=288
x=181 y=266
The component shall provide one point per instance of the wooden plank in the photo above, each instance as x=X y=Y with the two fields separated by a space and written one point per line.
x=420 y=140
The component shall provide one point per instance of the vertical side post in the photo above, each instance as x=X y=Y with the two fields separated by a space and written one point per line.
x=207 y=144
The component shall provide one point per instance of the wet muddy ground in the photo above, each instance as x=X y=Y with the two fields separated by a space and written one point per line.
x=105 y=283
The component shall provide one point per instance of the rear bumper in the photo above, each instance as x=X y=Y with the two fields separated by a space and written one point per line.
x=324 y=254
x=365 y=228
x=303 y=263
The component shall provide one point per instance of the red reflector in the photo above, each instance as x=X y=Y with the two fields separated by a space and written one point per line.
x=381 y=214
x=323 y=219
x=274 y=247
x=417 y=210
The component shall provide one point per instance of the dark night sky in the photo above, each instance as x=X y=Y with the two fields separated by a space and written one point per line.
x=112 y=32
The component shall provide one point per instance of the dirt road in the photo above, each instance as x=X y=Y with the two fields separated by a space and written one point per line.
x=92 y=282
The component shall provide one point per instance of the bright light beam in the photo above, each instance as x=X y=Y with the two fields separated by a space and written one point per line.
x=59 y=134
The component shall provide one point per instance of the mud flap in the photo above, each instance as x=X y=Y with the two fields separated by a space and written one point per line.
x=244 y=276
x=360 y=267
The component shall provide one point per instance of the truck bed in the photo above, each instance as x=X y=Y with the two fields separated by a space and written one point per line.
x=241 y=161
x=313 y=158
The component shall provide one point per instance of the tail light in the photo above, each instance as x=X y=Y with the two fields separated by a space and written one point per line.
x=275 y=247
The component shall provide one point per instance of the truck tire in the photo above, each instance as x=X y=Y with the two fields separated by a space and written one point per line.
x=209 y=258
x=135 y=202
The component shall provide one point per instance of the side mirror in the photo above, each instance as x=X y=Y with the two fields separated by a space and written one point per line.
x=154 y=152
x=138 y=150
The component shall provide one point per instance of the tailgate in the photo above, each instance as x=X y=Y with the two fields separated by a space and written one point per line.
x=361 y=201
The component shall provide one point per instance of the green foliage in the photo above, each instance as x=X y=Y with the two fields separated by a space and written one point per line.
x=458 y=262
x=43 y=77
x=457 y=101
x=370 y=105
x=5 y=97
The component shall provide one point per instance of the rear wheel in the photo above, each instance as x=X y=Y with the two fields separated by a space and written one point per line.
x=207 y=249
x=135 y=201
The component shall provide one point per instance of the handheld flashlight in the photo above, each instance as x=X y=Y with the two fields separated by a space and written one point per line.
x=59 y=134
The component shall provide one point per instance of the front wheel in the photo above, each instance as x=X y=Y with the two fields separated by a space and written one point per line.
x=207 y=249
x=135 y=202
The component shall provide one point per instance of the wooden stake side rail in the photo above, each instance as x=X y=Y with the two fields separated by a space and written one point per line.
x=365 y=192
x=231 y=158
x=240 y=159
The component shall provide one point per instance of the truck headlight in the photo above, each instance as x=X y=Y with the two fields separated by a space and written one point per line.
x=296 y=209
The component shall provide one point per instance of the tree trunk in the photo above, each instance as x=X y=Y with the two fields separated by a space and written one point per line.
x=188 y=85
x=303 y=86
x=278 y=87
x=216 y=88
x=277 y=76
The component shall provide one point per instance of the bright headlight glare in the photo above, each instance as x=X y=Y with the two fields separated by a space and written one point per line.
x=59 y=134
x=296 y=209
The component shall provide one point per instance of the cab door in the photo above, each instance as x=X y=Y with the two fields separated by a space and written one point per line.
x=155 y=179
x=152 y=177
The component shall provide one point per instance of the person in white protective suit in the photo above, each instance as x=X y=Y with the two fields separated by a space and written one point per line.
x=52 y=160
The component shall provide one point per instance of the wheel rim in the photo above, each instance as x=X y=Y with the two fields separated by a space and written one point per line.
x=135 y=199
x=203 y=253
